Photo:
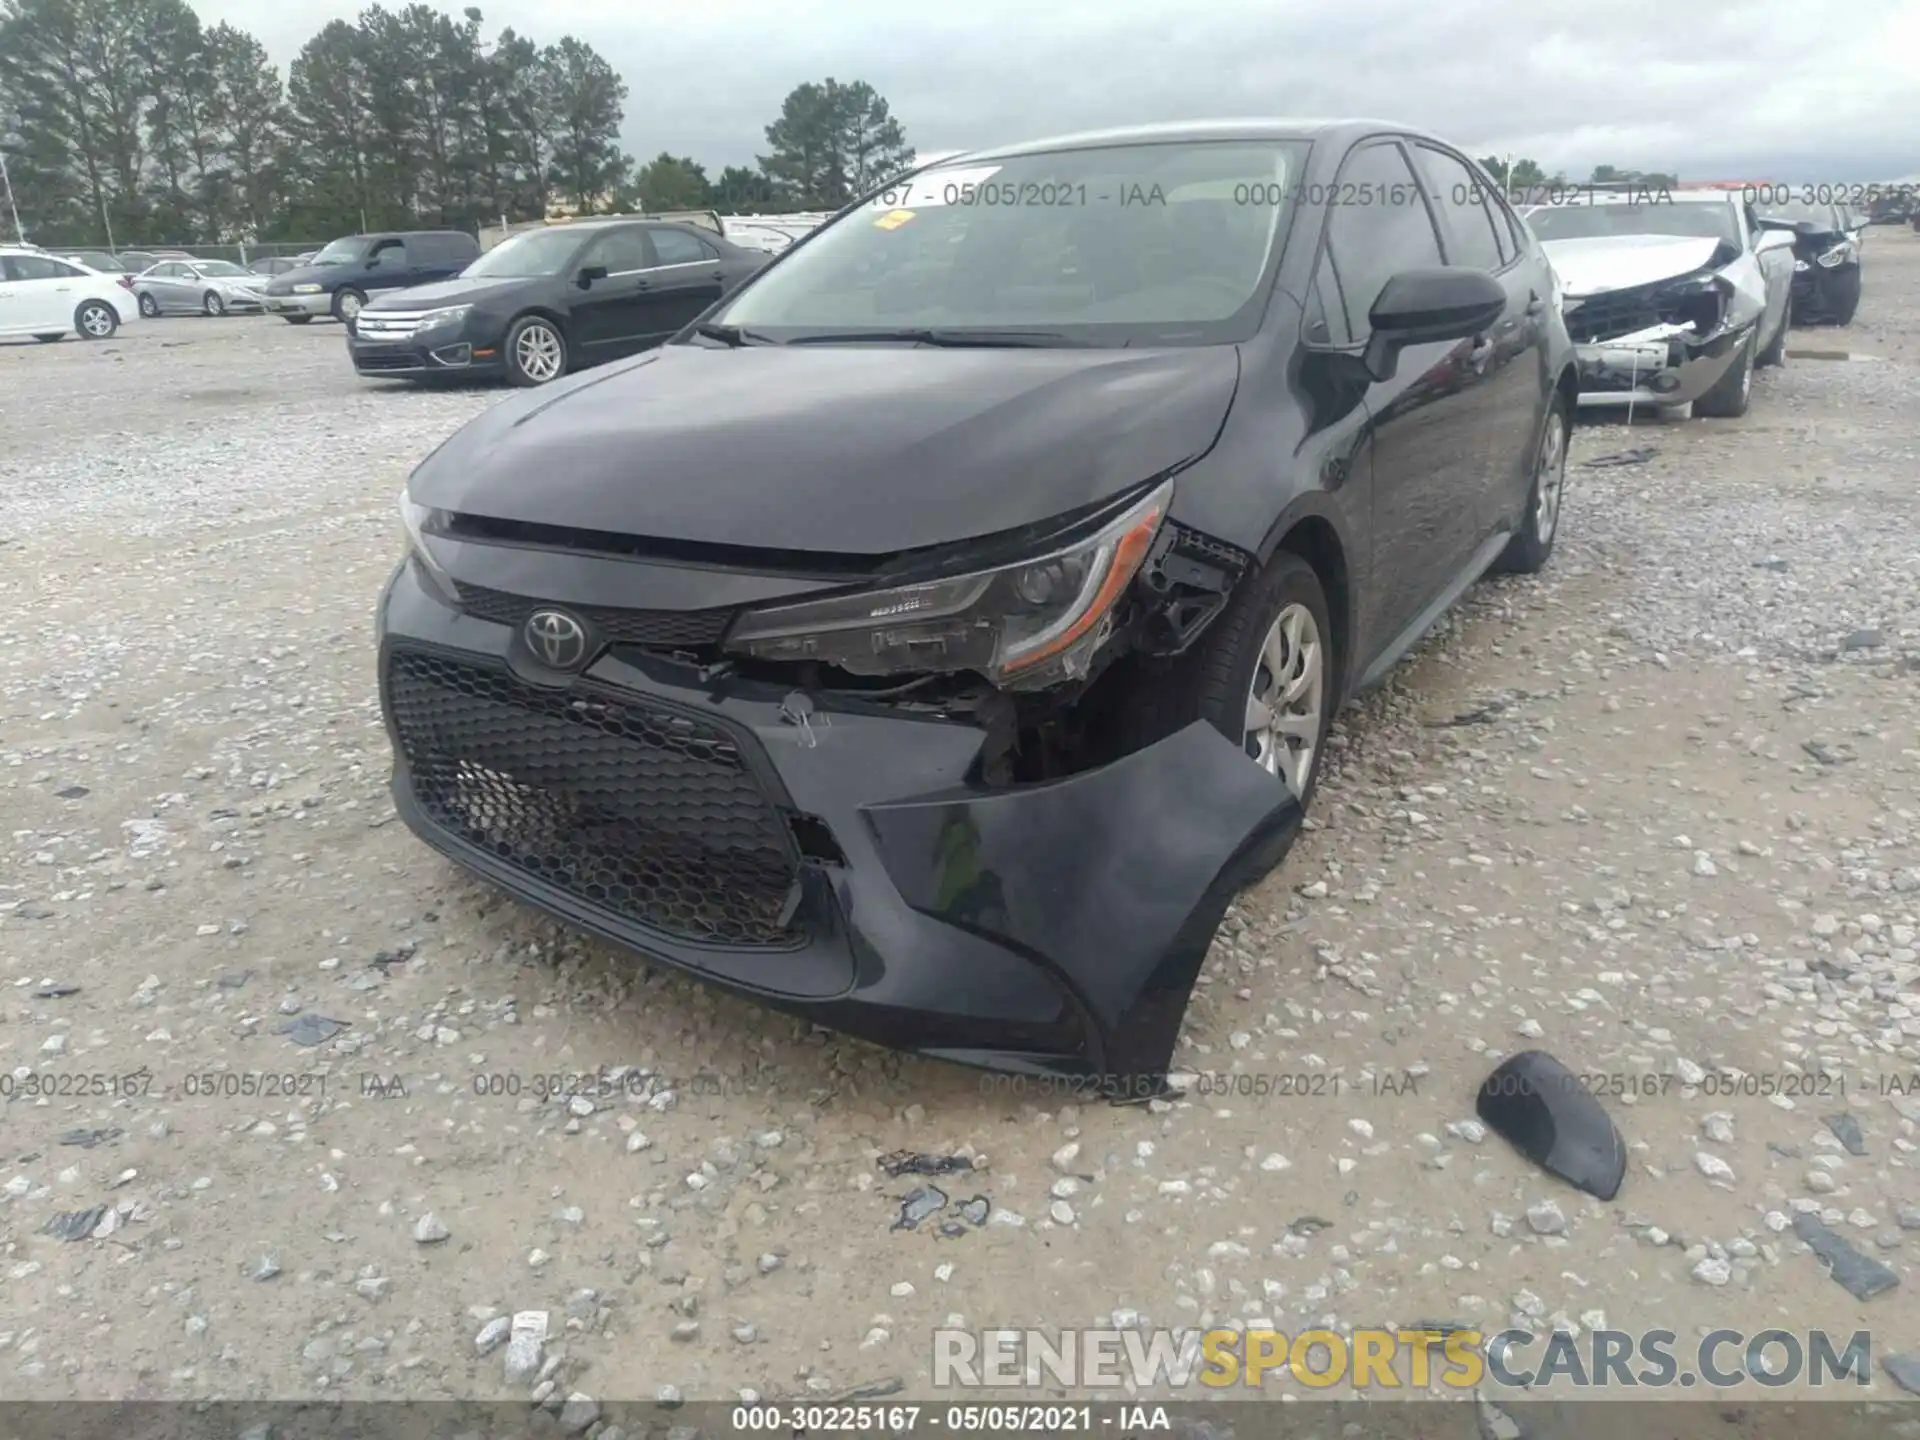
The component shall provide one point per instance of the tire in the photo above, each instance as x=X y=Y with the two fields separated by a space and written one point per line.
x=535 y=350
x=149 y=307
x=1776 y=351
x=95 y=320
x=1843 y=313
x=1215 y=680
x=1732 y=393
x=212 y=305
x=297 y=319
x=346 y=304
x=1532 y=543
x=54 y=339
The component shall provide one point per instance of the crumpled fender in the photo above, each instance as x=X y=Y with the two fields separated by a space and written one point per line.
x=1114 y=880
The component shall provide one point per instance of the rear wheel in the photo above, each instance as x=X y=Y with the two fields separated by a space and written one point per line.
x=95 y=320
x=1733 y=391
x=1532 y=543
x=149 y=306
x=536 y=351
x=212 y=304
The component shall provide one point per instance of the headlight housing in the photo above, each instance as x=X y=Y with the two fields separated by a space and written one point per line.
x=445 y=315
x=1024 y=626
x=1837 y=255
x=306 y=288
x=415 y=519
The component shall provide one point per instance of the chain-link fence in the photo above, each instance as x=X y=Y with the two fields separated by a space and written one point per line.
x=240 y=254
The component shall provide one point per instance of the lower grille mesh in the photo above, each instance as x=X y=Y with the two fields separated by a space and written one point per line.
x=649 y=814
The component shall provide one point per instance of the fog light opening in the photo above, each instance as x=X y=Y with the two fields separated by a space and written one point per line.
x=454 y=355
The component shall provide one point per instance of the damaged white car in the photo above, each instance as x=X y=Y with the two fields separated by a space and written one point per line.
x=1672 y=297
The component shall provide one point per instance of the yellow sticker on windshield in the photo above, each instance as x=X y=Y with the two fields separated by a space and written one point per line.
x=893 y=220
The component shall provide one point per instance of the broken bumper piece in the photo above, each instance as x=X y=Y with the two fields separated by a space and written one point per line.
x=1661 y=365
x=846 y=869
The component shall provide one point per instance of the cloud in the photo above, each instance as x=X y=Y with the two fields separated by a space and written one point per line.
x=1711 y=89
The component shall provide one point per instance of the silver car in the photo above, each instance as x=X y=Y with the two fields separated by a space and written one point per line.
x=1673 y=297
x=198 y=287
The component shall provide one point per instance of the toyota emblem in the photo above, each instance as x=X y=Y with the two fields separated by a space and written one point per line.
x=557 y=638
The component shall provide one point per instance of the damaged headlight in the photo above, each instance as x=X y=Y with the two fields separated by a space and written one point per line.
x=1839 y=255
x=416 y=519
x=1022 y=626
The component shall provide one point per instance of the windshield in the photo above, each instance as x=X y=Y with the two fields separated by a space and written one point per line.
x=530 y=253
x=1797 y=212
x=342 y=252
x=218 y=267
x=1126 y=244
x=1695 y=219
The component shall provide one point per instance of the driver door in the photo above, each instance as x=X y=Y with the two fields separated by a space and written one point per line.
x=387 y=266
x=1776 y=267
x=614 y=314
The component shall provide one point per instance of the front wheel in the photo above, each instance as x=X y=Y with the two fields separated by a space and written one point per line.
x=1776 y=351
x=1532 y=543
x=149 y=306
x=536 y=351
x=346 y=305
x=1733 y=391
x=1264 y=675
x=212 y=304
x=95 y=320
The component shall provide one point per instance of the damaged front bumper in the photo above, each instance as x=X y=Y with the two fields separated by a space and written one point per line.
x=839 y=862
x=1660 y=365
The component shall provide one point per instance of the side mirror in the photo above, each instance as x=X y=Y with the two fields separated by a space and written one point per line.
x=591 y=273
x=1417 y=307
x=373 y=262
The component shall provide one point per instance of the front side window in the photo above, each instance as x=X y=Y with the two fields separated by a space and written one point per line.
x=348 y=251
x=621 y=251
x=1141 y=243
x=1385 y=230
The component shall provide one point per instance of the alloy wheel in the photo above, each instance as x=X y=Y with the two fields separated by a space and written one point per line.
x=1285 y=700
x=97 y=321
x=538 y=352
x=1551 y=482
x=215 y=305
x=149 y=306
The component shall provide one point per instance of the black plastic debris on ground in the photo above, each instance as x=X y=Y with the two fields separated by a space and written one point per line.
x=919 y=1204
x=1309 y=1225
x=908 y=1162
x=55 y=992
x=234 y=979
x=310 y=1029
x=74 y=1224
x=1861 y=1276
x=87 y=1139
x=1831 y=970
x=72 y=792
x=32 y=912
x=1540 y=1107
x=1639 y=455
x=1846 y=1130
x=382 y=959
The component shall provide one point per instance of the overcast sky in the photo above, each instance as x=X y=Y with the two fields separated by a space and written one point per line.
x=1715 y=89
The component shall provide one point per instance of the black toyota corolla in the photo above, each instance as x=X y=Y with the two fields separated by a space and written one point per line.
x=934 y=638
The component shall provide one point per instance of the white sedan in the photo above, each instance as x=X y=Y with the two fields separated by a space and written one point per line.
x=49 y=298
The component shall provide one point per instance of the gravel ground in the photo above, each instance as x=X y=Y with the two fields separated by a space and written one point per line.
x=1655 y=811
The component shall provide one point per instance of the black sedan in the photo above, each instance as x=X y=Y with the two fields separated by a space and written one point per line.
x=546 y=302
x=1826 y=260
x=932 y=639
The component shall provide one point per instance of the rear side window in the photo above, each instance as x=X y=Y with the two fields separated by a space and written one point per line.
x=1460 y=195
x=677 y=247
x=1386 y=229
x=39 y=267
x=621 y=251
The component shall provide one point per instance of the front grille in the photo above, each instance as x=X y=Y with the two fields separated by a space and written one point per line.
x=387 y=325
x=649 y=814
x=386 y=360
x=654 y=629
x=1614 y=313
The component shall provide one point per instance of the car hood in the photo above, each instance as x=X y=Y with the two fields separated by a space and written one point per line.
x=868 y=449
x=446 y=292
x=1620 y=262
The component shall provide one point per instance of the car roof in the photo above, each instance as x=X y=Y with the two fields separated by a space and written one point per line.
x=1333 y=131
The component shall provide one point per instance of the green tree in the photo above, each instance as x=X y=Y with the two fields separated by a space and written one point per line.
x=672 y=182
x=329 y=103
x=740 y=190
x=832 y=142
x=247 y=110
x=588 y=103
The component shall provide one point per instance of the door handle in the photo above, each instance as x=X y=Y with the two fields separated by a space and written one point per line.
x=643 y=284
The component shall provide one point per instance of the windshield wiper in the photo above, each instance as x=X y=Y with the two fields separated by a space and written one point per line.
x=955 y=339
x=732 y=335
